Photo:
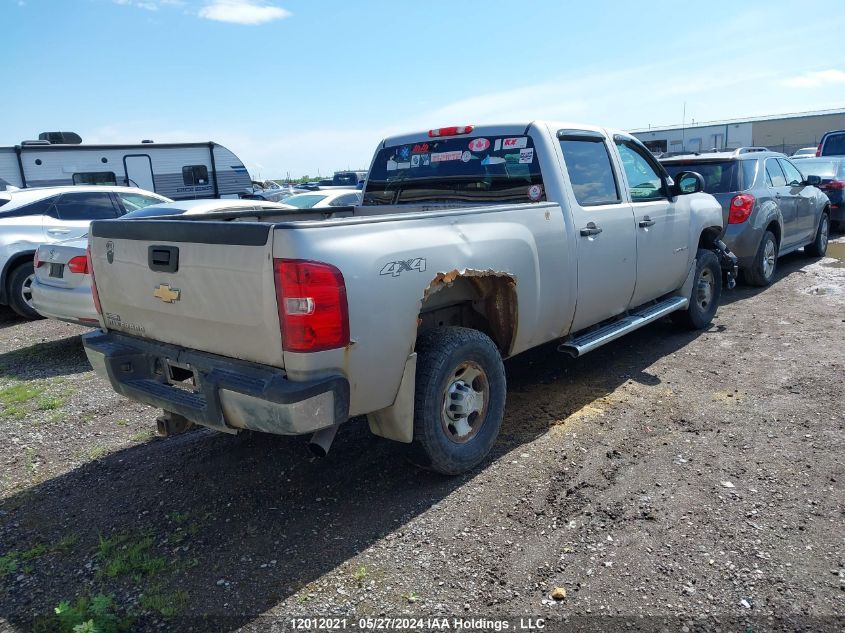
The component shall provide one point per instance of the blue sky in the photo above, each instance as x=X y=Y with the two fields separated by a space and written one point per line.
x=304 y=85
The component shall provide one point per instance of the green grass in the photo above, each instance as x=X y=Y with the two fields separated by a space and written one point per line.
x=122 y=422
x=143 y=436
x=127 y=555
x=19 y=392
x=8 y=564
x=360 y=574
x=29 y=460
x=51 y=403
x=167 y=603
x=10 y=561
x=97 y=452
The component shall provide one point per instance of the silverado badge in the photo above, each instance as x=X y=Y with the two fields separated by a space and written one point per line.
x=166 y=293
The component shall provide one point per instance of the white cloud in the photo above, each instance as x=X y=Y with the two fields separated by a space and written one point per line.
x=242 y=12
x=816 y=79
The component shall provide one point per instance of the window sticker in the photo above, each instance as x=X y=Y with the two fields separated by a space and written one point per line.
x=420 y=148
x=440 y=157
x=526 y=155
x=404 y=153
x=479 y=144
x=515 y=143
x=497 y=145
x=535 y=193
x=415 y=161
x=466 y=156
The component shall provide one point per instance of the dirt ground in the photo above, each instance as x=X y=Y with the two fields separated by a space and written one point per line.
x=681 y=477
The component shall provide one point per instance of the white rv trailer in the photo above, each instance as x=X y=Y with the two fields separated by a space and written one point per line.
x=178 y=171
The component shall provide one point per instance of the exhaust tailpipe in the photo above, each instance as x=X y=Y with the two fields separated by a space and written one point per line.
x=321 y=441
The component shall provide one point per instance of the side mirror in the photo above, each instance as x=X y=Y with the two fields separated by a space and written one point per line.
x=813 y=181
x=688 y=182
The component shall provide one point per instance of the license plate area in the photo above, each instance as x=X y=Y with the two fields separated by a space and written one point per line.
x=181 y=375
x=57 y=270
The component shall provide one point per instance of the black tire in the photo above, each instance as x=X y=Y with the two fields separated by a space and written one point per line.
x=706 y=293
x=818 y=247
x=442 y=443
x=762 y=271
x=20 y=295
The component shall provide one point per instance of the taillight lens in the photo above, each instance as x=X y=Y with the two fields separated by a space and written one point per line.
x=94 y=293
x=819 y=150
x=836 y=185
x=450 y=131
x=741 y=207
x=313 y=311
x=79 y=265
x=35 y=261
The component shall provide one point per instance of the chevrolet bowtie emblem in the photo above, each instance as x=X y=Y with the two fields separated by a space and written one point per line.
x=166 y=293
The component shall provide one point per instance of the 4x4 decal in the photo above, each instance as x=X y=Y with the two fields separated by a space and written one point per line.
x=397 y=268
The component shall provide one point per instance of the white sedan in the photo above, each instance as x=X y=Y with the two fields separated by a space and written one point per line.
x=61 y=287
x=325 y=199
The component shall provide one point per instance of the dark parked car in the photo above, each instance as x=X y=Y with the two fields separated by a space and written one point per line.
x=831 y=170
x=832 y=144
x=770 y=208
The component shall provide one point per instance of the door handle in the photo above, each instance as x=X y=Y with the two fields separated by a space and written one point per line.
x=590 y=229
x=646 y=221
x=58 y=231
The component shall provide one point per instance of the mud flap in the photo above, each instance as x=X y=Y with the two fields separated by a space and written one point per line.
x=396 y=422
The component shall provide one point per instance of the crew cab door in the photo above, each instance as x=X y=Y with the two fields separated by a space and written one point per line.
x=662 y=224
x=803 y=199
x=605 y=240
x=782 y=195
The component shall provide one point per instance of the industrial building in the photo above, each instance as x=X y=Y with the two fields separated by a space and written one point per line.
x=782 y=133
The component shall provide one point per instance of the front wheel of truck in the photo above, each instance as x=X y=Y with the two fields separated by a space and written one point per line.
x=706 y=292
x=459 y=399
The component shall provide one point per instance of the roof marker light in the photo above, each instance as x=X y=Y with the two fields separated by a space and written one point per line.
x=450 y=131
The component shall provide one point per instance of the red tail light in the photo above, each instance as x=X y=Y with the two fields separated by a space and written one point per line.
x=35 y=261
x=836 y=185
x=313 y=312
x=450 y=131
x=94 y=293
x=79 y=265
x=819 y=150
x=741 y=207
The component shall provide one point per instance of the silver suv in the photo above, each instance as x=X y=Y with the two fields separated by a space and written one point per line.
x=770 y=209
x=29 y=217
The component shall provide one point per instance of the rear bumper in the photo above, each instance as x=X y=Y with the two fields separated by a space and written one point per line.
x=74 y=305
x=228 y=394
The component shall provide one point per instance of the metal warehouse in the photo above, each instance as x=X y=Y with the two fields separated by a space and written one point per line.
x=782 y=132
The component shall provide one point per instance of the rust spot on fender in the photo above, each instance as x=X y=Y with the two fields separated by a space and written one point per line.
x=497 y=292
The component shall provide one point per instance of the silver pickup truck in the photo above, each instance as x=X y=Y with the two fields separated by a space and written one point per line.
x=473 y=244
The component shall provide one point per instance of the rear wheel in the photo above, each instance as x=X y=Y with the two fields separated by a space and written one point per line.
x=762 y=270
x=818 y=247
x=706 y=292
x=459 y=399
x=20 y=291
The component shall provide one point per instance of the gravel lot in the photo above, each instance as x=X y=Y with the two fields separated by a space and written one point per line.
x=668 y=474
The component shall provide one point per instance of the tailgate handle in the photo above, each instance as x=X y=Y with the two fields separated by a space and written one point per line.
x=163 y=259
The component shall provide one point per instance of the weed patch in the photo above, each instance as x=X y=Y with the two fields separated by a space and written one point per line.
x=125 y=555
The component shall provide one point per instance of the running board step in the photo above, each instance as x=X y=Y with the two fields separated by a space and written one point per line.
x=584 y=343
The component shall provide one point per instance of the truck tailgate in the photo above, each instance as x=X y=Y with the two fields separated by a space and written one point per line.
x=207 y=286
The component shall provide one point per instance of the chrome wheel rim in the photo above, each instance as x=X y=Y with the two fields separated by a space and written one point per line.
x=769 y=257
x=705 y=289
x=824 y=233
x=465 y=402
x=26 y=290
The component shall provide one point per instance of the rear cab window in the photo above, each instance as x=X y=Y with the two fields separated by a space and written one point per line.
x=457 y=170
